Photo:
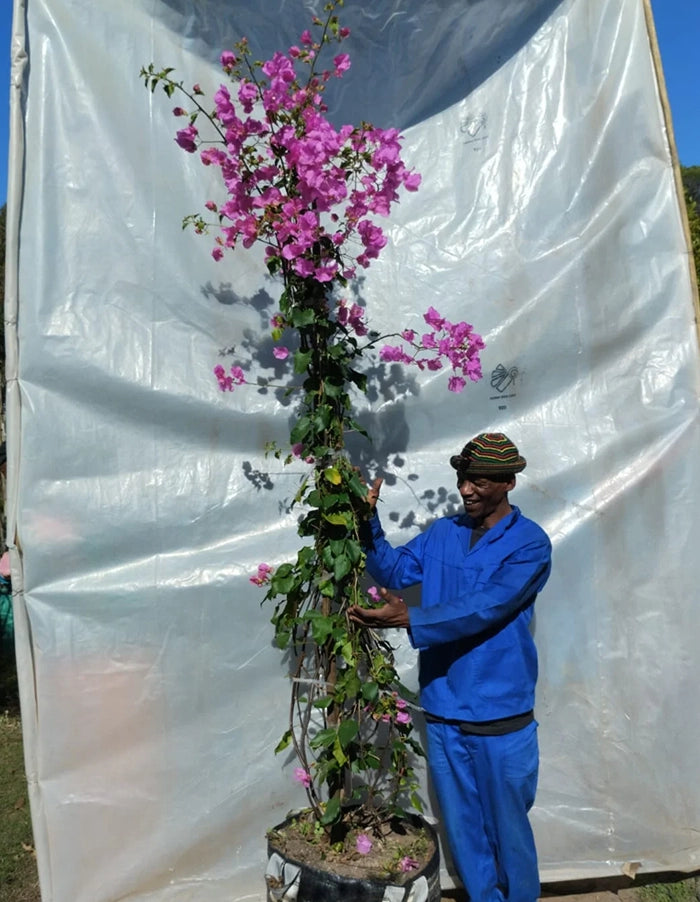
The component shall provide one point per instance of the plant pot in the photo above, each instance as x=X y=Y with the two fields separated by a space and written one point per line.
x=290 y=880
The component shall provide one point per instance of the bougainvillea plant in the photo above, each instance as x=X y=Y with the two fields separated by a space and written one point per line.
x=312 y=194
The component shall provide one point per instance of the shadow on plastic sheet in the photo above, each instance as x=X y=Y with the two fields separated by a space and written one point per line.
x=381 y=413
x=426 y=56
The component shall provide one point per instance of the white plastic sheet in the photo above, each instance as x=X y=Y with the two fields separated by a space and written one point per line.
x=140 y=501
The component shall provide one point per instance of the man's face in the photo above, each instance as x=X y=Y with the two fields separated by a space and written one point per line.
x=485 y=500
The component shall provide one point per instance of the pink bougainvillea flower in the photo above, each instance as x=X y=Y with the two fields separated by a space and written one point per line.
x=433 y=318
x=186 y=138
x=281 y=353
x=403 y=717
x=302 y=776
x=342 y=63
x=408 y=864
x=247 y=94
x=217 y=253
x=228 y=60
x=262 y=577
x=456 y=384
x=225 y=382
x=363 y=844
x=394 y=354
x=178 y=111
x=228 y=382
x=373 y=593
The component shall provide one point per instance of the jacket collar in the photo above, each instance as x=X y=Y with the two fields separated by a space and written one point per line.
x=498 y=530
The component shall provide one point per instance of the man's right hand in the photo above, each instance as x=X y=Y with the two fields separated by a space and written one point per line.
x=373 y=493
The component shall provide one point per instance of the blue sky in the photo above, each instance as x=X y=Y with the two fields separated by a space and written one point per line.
x=678 y=29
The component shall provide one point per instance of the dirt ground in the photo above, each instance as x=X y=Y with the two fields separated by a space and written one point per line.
x=559 y=895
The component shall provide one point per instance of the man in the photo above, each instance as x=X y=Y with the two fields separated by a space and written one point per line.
x=480 y=573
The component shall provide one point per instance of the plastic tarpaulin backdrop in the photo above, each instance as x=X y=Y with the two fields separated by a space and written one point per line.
x=139 y=495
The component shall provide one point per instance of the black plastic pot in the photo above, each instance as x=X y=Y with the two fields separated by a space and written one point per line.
x=289 y=880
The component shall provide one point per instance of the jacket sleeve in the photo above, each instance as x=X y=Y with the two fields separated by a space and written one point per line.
x=504 y=590
x=393 y=568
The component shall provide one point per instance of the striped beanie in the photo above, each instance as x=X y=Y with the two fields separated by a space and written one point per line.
x=489 y=453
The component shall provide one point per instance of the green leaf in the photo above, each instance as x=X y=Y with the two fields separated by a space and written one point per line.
x=360 y=379
x=302 y=359
x=332 y=475
x=321 y=626
x=357 y=486
x=416 y=802
x=332 y=812
x=331 y=502
x=354 y=425
x=338 y=519
x=323 y=739
x=300 y=430
x=314 y=498
x=323 y=418
x=284 y=742
x=341 y=567
x=339 y=754
x=353 y=550
x=324 y=702
x=283 y=585
x=351 y=684
x=302 y=317
x=347 y=731
x=370 y=691
x=333 y=390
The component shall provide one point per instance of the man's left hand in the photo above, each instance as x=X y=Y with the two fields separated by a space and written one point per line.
x=393 y=613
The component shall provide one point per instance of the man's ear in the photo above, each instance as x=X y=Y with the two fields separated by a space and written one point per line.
x=510 y=485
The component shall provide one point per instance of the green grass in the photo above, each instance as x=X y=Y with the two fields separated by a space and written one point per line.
x=684 y=891
x=18 y=874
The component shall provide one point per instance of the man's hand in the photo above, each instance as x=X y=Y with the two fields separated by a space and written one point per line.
x=373 y=493
x=393 y=613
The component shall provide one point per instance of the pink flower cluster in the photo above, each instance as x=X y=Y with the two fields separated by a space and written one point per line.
x=228 y=382
x=298 y=450
x=363 y=844
x=294 y=181
x=408 y=864
x=262 y=577
x=457 y=343
x=390 y=708
x=302 y=776
x=352 y=317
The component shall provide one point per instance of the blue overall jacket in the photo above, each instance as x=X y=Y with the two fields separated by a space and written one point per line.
x=477 y=656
